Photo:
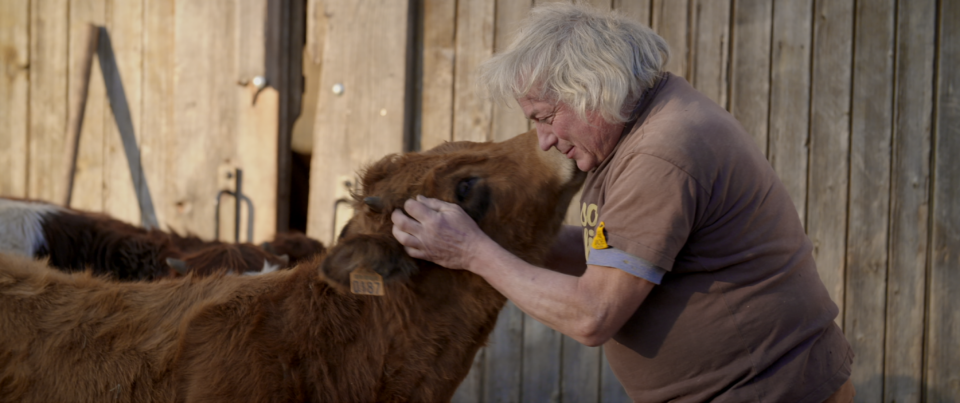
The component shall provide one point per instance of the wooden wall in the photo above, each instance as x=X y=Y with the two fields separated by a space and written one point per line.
x=852 y=101
x=180 y=62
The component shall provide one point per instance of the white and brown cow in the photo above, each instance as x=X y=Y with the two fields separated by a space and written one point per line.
x=300 y=334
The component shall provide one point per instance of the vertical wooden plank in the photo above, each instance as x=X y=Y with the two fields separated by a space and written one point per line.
x=750 y=67
x=474 y=44
x=471 y=389
x=943 y=326
x=508 y=119
x=580 y=378
x=541 y=362
x=710 y=53
x=502 y=368
x=49 y=32
x=790 y=97
x=125 y=24
x=365 y=122
x=439 y=34
x=611 y=391
x=601 y=4
x=88 y=188
x=158 y=141
x=636 y=9
x=830 y=143
x=867 y=239
x=257 y=156
x=257 y=129
x=671 y=20
x=14 y=96
x=909 y=202
x=205 y=109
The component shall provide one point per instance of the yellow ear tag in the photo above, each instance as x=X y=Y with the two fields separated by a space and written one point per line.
x=364 y=281
x=600 y=241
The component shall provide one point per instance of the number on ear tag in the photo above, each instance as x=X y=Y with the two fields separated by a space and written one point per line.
x=366 y=282
x=600 y=240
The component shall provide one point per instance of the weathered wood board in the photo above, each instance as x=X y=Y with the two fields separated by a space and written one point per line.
x=14 y=96
x=909 y=202
x=365 y=54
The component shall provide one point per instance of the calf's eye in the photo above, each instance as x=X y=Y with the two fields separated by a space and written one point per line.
x=464 y=187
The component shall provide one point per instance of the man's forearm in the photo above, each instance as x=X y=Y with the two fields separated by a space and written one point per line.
x=589 y=308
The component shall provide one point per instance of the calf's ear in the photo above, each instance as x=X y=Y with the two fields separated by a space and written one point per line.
x=178 y=265
x=379 y=253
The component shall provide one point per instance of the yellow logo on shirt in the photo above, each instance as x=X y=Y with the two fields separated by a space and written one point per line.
x=589 y=215
x=600 y=240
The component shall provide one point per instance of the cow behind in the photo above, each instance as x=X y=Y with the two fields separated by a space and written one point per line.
x=74 y=240
x=297 y=334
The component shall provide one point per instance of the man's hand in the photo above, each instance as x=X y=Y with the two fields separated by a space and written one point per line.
x=438 y=231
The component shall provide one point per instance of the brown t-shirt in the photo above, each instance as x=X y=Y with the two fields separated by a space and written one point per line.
x=741 y=314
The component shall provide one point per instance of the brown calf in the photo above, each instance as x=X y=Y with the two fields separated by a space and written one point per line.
x=74 y=240
x=300 y=334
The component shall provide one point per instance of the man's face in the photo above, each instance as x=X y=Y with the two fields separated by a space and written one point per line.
x=589 y=143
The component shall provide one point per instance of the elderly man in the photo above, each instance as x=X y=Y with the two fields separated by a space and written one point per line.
x=691 y=265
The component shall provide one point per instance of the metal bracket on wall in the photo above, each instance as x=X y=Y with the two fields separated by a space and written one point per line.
x=239 y=198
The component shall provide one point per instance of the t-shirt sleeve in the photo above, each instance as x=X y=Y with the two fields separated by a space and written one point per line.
x=616 y=258
x=650 y=209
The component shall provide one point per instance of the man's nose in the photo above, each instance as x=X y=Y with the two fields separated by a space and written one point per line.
x=545 y=137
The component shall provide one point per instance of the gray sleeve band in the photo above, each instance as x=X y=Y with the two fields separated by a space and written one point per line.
x=613 y=257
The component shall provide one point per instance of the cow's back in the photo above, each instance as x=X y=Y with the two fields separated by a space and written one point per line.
x=67 y=335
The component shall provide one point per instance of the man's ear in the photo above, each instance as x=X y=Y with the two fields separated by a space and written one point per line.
x=380 y=253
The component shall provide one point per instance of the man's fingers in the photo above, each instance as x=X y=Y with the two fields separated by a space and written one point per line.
x=405 y=238
x=415 y=253
x=405 y=223
x=435 y=204
x=418 y=210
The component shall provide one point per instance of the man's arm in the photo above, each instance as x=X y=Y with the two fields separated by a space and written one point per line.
x=590 y=308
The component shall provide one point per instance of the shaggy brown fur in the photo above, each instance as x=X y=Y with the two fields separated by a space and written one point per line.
x=78 y=240
x=294 y=335
x=297 y=246
x=75 y=240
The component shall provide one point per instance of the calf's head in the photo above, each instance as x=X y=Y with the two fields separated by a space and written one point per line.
x=517 y=194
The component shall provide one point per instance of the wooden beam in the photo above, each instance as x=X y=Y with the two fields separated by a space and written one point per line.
x=671 y=19
x=364 y=122
x=909 y=201
x=205 y=127
x=750 y=67
x=159 y=143
x=942 y=375
x=14 y=96
x=711 y=49
x=867 y=240
x=125 y=24
x=49 y=41
x=439 y=53
x=827 y=194
x=790 y=97
x=474 y=44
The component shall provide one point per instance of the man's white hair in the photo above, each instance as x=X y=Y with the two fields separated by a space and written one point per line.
x=591 y=60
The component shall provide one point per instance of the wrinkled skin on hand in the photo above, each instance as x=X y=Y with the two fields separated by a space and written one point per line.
x=437 y=231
